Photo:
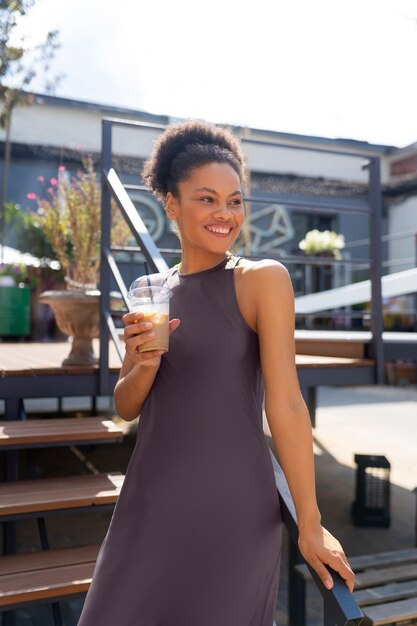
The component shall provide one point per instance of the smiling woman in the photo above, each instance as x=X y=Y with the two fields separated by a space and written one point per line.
x=196 y=534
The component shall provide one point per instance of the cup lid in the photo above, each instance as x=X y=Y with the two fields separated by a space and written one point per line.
x=153 y=293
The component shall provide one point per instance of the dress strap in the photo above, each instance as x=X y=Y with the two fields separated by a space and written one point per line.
x=235 y=260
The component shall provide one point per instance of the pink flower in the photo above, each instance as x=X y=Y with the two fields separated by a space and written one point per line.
x=31 y=196
x=50 y=190
x=61 y=168
x=41 y=179
x=53 y=181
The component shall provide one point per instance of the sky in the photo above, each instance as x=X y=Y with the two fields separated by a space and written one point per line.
x=331 y=68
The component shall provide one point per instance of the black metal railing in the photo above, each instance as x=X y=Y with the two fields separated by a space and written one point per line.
x=339 y=605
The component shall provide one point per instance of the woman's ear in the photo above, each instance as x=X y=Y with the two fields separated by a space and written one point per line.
x=171 y=206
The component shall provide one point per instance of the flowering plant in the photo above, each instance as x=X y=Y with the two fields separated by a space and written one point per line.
x=70 y=217
x=320 y=241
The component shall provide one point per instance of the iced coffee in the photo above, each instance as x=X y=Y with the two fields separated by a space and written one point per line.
x=153 y=302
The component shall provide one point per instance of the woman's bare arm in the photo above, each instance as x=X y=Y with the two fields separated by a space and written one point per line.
x=288 y=416
x=138 y=370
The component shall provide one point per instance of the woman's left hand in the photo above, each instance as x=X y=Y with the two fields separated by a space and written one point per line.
x=319 y=548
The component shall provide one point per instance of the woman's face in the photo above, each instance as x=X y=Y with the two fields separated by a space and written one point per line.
x=209 y=209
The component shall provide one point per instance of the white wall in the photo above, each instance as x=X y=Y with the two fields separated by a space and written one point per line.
x=270 y=159
x=46 y=124
x=74 y=128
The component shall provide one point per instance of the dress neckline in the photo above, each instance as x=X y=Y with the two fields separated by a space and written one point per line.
x=206 y=271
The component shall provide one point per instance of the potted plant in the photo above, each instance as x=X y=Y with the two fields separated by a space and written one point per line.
x=323 y=243
x=70 y=216
x=318 y=243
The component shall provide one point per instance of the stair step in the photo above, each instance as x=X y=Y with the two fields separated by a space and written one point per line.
x=34 y=433
x=26 y=498
x=47 y=575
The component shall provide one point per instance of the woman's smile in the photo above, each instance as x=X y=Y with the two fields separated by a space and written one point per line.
x=219 y=230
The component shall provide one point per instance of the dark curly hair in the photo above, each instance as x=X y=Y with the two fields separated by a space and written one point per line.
x=185 y=146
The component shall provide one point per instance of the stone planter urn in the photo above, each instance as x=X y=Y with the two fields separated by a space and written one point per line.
x=77 y=315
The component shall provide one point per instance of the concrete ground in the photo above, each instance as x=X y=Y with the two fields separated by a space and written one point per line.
x=370 y=420
x=366 y=420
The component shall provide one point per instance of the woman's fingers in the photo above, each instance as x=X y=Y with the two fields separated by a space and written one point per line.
x=132 y=318
x=339 y=565
x=320 y=548
x=133 y=330
x=347 y=574
x=138 y=332
x=323 y=572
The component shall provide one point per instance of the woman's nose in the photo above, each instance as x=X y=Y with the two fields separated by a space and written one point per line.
x=223 y=211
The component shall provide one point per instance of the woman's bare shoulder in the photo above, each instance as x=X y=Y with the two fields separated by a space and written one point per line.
x=262 y=268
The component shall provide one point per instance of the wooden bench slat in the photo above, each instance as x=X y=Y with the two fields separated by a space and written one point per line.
x=48 y=574
x=385 y=575
x=385 y=585
x=381 y=559
x=40 y=431
x=390 y=592
x=392 y=612
x=47 y=494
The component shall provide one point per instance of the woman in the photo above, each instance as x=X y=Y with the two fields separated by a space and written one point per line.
x=195 y=537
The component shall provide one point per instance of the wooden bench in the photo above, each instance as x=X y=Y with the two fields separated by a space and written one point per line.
x=385 y=586
x=29 y=498
x=45 y=576
x=35 y=433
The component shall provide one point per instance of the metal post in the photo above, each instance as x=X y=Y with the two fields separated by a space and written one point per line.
x=296 y=588
x=104 y=266
x=377 y=322
x=14 y=410
x=415 y=517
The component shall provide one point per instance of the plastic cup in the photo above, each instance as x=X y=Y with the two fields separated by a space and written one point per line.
x=153 y=302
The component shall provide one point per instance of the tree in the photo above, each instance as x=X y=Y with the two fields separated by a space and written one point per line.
x=19 y=66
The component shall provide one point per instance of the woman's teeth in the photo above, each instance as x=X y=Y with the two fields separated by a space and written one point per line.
x=219 y=230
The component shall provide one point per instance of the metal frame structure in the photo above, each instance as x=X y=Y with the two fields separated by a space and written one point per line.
x=339 y=606
x=113 y=188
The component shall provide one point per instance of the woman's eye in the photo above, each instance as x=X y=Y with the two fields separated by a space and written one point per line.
x=206 y=199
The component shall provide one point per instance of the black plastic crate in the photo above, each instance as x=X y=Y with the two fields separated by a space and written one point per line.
x=372 y=504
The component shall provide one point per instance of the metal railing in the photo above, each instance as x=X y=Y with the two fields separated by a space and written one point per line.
x=339 y=605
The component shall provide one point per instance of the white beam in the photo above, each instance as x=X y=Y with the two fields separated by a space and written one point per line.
x=396 y=284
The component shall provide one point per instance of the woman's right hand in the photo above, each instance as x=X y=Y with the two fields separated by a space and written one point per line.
x=136 y=333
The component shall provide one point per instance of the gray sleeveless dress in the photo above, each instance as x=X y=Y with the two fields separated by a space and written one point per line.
x=195 y=537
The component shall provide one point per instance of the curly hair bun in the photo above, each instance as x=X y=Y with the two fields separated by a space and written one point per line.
x=184 y=146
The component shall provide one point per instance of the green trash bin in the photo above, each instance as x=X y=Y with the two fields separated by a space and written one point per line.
x=15 y=312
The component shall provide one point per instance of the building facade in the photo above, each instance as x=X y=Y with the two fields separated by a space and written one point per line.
x=57 y=131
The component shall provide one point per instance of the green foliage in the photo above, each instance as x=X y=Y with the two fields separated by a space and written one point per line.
x=25 y=227
x=20 y=64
